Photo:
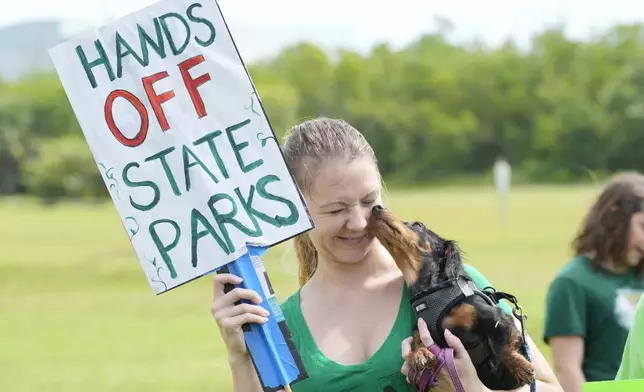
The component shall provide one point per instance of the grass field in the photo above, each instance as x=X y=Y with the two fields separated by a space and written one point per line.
x=77 y=314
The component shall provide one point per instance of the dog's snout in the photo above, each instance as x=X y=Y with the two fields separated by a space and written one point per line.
x=377 y=209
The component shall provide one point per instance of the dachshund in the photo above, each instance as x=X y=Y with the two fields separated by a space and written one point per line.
x=442 y=294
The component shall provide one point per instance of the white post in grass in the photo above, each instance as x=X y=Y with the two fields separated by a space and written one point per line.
x=502 y=179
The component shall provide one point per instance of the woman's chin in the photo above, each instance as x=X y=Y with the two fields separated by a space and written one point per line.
x=355 y=255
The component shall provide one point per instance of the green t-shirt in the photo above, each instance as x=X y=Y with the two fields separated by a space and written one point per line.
x=380 y=373
x=632 y=366
x=596 y=305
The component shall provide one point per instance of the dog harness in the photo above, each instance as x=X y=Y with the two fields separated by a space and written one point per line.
x=433 y=303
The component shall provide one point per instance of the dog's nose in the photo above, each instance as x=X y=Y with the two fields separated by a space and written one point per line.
x=377 y=209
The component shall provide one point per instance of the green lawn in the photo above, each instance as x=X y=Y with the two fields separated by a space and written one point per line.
x=77 y=314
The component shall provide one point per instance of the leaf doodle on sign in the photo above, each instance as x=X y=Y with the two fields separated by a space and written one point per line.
x=252 y=104
x=264 y=140
x=112 y=182
x=130 y=230
x=157 y=269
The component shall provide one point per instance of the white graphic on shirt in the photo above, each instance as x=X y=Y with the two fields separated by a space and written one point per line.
x=625 y=306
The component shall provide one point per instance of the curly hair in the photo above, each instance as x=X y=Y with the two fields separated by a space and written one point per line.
x=604 y=232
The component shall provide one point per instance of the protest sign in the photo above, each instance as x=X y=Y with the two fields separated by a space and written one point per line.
x=179 y=134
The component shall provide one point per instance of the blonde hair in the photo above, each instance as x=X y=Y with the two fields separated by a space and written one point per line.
x=306 y=147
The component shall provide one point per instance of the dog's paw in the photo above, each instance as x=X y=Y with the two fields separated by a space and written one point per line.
x=423 y=359
x=524 y=374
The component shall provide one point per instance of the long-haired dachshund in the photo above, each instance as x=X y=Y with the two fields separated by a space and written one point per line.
x=446 y=298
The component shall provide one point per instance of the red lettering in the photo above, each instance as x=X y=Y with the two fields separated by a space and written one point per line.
x=157 y=100
x=138 y=105
x=192 y=84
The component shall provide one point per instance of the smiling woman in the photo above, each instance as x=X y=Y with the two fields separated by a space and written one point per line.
x=352 y=314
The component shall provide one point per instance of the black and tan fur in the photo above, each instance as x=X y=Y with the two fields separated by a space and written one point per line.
x=426 y=260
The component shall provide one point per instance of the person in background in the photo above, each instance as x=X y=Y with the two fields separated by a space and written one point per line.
x=590 y=304
x=351 y=318
x=632 y=366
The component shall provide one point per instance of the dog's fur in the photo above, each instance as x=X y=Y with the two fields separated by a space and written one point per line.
x=426 y=260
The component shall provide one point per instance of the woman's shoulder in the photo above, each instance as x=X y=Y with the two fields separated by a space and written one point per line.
x=481 y=282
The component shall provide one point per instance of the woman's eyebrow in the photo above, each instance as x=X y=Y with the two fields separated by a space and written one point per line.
x=373 y=193
x=333 y=203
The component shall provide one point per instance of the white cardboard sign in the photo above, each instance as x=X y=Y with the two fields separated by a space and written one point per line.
x=181 y=139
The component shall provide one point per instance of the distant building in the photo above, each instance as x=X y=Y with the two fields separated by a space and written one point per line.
x=24 y=46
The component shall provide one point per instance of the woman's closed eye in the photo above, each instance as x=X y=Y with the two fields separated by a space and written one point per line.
x=336 y=211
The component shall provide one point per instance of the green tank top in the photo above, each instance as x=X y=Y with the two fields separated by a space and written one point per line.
x=380 y=373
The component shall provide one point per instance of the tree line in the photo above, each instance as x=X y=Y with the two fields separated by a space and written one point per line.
x=563 y=110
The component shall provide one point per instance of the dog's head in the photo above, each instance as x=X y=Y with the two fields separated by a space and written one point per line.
x=401 y=239
x=409 y=243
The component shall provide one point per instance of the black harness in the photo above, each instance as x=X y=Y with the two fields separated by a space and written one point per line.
x=433 y=303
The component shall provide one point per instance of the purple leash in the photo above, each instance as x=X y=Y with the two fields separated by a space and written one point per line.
x=429 y=378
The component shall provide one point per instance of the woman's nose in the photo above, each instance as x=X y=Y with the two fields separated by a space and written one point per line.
x=358 y=220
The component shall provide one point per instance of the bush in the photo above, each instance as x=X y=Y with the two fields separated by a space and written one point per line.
x=63 y=167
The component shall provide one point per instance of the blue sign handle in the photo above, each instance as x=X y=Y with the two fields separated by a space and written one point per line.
x=270 y=345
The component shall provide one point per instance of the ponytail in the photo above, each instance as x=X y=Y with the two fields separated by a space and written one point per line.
x=307 y=257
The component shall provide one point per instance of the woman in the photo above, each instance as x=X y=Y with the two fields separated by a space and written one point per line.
x=352 y=315
x=591 y=302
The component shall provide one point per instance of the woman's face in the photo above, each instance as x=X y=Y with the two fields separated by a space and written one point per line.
x=340 y=200
x=635 y=251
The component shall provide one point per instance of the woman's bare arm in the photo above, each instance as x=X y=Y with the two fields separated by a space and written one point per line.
x=568 y=353
x=244 y=376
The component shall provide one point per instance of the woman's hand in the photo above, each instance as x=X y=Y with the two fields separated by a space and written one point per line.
x=464 y=366
x=231 y=317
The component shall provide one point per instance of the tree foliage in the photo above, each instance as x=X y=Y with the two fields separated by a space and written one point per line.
x=432 y=110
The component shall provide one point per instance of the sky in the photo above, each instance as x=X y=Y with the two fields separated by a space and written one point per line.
x=263 y=26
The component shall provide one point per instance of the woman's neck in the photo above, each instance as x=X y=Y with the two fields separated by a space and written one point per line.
x=378 y=265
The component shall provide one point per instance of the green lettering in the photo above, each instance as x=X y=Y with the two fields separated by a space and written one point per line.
x=238 y=147
x=164 y=25
x=166 y=168
x=187 y=153
x=247 y=203
x=146 y=40
x=210 y=139
x=120 y=43
x=102 y=60
x=197 y=19
x=195 y=218
x=261 y=190
x=222 y=219
x=135 y=184
x=163 y=249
